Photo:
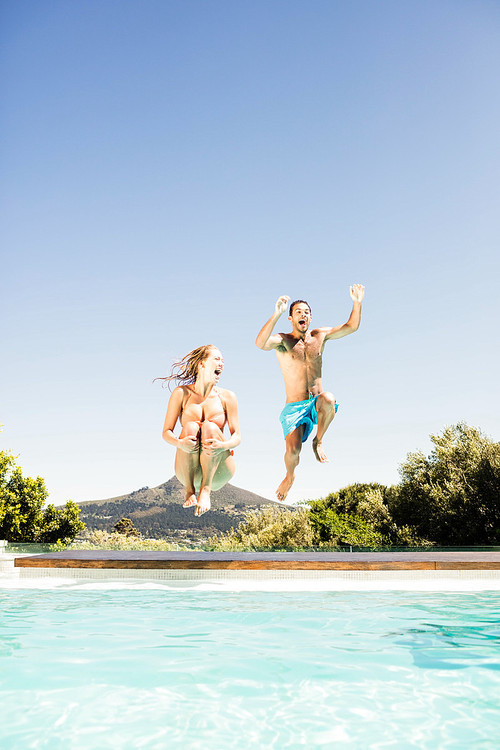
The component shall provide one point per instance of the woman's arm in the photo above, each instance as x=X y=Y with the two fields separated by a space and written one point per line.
x=233 y=421
x=173 y=413
x=189 y=443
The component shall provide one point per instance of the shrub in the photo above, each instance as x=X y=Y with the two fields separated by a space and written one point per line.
x=332 y=529
x=126 y=527
x=359 y=515
x=98 y=539
x=270 y=527
x=367 y=501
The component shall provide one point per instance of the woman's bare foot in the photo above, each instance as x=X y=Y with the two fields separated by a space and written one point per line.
x=284 y=488
x=190 y=499
x=319 y=452
x=203 y=503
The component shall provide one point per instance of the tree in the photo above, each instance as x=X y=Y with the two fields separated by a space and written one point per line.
x=452 y=496
x=22 y=515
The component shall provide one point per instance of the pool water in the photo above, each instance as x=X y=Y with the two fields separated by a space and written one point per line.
x=162 y=669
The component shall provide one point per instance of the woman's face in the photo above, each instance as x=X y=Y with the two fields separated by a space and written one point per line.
x=213 y=365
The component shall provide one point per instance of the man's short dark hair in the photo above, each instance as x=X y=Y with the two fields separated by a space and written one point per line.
x=297 y=302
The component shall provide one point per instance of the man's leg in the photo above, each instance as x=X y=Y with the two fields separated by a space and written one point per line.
x=325 y=407
x=292 y=457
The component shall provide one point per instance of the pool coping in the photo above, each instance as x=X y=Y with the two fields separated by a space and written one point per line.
x=322 y=561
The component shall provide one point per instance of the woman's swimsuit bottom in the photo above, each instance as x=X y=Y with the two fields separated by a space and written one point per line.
x=300 y=413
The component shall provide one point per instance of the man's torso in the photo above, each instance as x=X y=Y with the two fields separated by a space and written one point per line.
x=300 y=361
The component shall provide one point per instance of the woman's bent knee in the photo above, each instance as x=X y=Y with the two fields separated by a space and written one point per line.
x=190 y=428
x=210 y=430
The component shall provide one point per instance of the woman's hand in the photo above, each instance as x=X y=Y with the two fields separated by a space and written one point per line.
x=213 y=446
x=189 y=444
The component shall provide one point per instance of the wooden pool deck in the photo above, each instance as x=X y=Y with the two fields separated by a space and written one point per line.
x=334 y=561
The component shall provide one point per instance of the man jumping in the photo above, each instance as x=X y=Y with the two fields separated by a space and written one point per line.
x=300 y=356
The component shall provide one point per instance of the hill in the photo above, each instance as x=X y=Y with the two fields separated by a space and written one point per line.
x=157 y=512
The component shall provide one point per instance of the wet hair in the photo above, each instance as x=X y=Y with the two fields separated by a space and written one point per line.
x=185 y=371
x=297 y=302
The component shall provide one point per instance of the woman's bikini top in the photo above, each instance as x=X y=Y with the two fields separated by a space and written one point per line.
x=216 y=418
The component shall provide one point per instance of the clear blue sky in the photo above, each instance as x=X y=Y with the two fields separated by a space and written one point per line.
x=170 y=167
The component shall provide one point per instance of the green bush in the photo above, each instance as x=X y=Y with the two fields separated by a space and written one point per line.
x=365 y=509
x=125 y=526
x=271 y=527
x=297 y=529
x=365 y=501
x=332 y=529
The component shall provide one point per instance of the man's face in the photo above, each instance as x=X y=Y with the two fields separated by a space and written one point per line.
x=300 y=317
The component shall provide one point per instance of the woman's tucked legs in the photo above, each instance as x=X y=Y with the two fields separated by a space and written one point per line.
x=187 y=465
x=217 y=469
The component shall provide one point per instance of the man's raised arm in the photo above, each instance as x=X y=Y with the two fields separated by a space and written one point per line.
x=265 y=340
x=357 y=292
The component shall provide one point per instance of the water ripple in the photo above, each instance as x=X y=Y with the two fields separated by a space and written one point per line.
x=155 y=669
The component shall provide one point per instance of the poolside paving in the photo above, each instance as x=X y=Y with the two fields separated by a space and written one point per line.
x=197 y=560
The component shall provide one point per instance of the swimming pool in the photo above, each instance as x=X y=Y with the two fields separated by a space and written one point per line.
x=158 y=668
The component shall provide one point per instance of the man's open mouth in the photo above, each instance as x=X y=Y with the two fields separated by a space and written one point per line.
x=218 y=372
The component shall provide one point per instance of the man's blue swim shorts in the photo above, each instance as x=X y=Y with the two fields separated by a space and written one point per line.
x=300 y=413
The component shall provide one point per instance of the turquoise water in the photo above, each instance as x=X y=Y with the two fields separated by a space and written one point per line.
x=161 y=669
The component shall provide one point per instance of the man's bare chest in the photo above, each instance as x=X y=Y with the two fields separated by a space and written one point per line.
x=308 y=351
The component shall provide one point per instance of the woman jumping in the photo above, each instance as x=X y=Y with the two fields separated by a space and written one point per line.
x=204 y=458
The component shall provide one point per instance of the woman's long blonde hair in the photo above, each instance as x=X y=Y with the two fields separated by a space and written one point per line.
x=185 y=371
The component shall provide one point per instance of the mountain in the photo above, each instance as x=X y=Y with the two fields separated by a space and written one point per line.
x=157 y=512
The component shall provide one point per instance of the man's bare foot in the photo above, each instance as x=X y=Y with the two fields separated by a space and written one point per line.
x=190 y=499
x=319 y=452
x=284 y=488
x=203 y=503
